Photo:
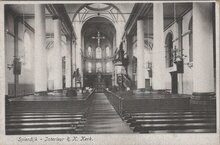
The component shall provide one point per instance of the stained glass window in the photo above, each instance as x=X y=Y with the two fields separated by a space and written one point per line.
x=98 y=52
x=108 y=69
x=107 y=51
x=98 y=67
x=27 y=50
x=89 y=51
x=89 y=67
x=169 y=49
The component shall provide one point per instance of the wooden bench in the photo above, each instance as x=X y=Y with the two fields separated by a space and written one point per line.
x=43 y=123
x=128 y=116
x=48 y=130
x=176 y=122
x=184 y=131
x=165 y=121
x=47 y=116
x=146 y=128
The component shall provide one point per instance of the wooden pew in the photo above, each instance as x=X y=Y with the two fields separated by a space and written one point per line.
x=189 y=114
x=43 y=123
x=146 y=128
x=184 y=131
x=166 y=121
x=176 y=122
x=47 y=117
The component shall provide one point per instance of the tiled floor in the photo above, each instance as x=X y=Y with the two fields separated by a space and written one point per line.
x=103 y=118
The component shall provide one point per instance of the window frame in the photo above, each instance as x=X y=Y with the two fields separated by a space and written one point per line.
x=27 y=51
x=98 y=53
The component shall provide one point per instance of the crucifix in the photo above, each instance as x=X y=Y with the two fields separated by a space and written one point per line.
x=98 y=38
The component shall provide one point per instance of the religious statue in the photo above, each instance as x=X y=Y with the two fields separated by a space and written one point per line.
x=76 y=75
x=119 y=56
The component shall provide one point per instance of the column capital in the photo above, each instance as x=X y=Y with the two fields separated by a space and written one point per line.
x=55 y=17
x=140 y=18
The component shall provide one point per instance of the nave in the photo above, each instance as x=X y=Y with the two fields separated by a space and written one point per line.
x=47 y=117
x=104 y=113
x=102 y=117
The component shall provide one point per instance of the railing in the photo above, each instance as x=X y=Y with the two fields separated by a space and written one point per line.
x=127 y=81
x=116 y=101
x=89 y=98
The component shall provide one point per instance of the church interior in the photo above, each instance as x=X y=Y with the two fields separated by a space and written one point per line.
x=94 y=68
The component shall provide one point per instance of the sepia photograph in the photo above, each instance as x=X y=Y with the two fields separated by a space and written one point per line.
x=89 y=68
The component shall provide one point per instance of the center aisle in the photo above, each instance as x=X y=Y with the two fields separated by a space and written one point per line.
x=102 y=117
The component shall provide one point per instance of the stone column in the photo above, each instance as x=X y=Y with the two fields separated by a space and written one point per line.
x=113 y=66
x=58 y=81
x=203 y=68
x=158 y=52
x=3 y=59
x=140 y=55
x=130 y=57
x=68 y=63
x=74 y=61
x=40 y=53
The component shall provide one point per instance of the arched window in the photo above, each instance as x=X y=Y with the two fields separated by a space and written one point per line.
x=169 y=49
x=108 y=69
x=98 y=67
x=98 y=52
x=27 y=50
x=89 y=67
x=89 y=51
x=190 y=41
x=108 y=51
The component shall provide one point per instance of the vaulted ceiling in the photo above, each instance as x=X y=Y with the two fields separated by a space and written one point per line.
x=171 y=11
x=97 y=24
x=114 y=12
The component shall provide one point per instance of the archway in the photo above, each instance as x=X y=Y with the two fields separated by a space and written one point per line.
x=98 y=44
x=169 y=49
x=170 y=61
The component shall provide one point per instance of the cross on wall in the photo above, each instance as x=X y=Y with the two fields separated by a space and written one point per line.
x=98 y=37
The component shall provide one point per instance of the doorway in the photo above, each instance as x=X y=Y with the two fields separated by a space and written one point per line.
x=174 y=82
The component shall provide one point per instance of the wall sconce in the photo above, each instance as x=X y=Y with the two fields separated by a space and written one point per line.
x=178 y=59
x=10 y=66
x=22 y=60
x=16 y=65
x=189 y=64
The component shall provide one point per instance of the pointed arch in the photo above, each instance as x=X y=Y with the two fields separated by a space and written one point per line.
x=169 y=49
x=27 y=50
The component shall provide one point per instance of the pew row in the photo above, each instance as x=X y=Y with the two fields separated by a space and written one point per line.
x=47 y=117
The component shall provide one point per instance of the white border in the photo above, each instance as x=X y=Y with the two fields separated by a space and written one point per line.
x=106 y=139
